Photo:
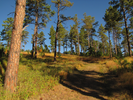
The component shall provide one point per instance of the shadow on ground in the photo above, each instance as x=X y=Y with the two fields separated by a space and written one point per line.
x=91 y=83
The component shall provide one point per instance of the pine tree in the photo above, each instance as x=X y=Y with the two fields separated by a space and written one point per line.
x=102 y=36
x=24 y=37
x=6 y=32
x=65 y=41
x=75 y=19
x=83 y=39
x=52 y=38
x=60 y=5
x=88 y=25
x=61 y=34
x=125 y=8
x=113 y=19
x=41 y=38
x=38 y=10
x=13 y=59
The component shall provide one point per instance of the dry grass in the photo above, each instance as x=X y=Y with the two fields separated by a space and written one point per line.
x=66 y=65
x=111 y=64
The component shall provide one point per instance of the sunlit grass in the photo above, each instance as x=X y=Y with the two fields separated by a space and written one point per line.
x=40 y=75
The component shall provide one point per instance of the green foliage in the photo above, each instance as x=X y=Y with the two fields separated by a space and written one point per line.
x=89 y=25
x=91 y=52
x=61 y=34
x=25 y=35
x=41 y=38
x=52 y=38
x=42 y=9
x=63 y=3
x=7 y=31
x=46 y=49
x=83 y=38
x=103 y=37
x=21 y=56
x=59 y=54
x=2 y=51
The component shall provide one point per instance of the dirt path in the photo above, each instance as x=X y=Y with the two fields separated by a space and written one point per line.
x=87 y=84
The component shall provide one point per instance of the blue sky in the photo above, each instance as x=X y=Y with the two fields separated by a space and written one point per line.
x=95 y=8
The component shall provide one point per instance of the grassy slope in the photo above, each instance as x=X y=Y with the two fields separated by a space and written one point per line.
x=109 y=78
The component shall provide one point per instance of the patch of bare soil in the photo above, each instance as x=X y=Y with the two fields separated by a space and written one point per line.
x=61 y=92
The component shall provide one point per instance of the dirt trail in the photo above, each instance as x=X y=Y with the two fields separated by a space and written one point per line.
x=86 y=84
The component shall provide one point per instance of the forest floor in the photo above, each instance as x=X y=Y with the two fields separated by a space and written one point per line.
x=86 y=84
x=73 y=77
x=93 y=79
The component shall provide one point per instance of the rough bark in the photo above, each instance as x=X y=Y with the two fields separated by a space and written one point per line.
x=14 y=53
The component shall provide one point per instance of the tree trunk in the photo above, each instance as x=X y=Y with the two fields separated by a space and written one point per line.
x=103 y=48
x=66 y=46
x=34 y=45
x=127 y=33
x=116 y=44
x=14 y=53
x=110 y=45
x=57 y=28
x=71 y=46
x=88 y=41
x=114 y=39
x=78 y=44
x=75 y=48
x=59 y=46
x=63 y=48
x=36 y=29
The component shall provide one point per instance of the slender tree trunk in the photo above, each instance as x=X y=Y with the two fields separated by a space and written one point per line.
x=110 y=45
x=127 y=33
x=95 y=47
x=88 y=41
x=59 y=46
x=57 y=28
x=34 y=44
x=75 y=48
x=81 y=49
x=103 y=48
x=14 y=53
x=36 y=29
x=116 y=43
x=66 y=46
x=33 y=47
x=113 y=42
x=63 y=48
x=71 y=46
x=78 y=44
